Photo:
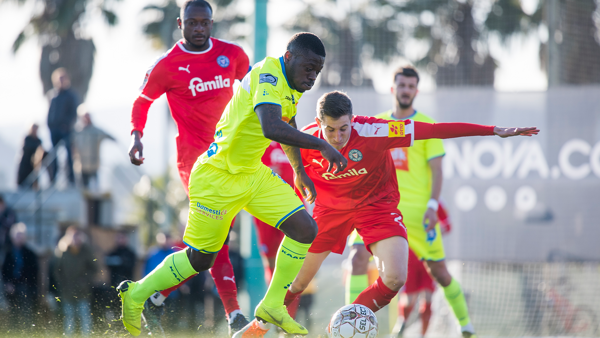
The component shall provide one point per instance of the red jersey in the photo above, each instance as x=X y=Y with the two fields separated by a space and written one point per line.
x=276 y=159
x=198 y=86
x=370 y=174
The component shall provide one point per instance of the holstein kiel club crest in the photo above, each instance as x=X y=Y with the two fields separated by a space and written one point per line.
x=355 y=155
x=223 y=61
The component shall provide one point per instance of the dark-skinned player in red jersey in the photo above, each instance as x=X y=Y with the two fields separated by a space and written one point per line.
x=365 y=195
x=197 y=75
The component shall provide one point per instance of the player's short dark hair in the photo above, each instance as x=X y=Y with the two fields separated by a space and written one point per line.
x=195 y=3
x=334 y=104
x=408 y=71
x=303 y=42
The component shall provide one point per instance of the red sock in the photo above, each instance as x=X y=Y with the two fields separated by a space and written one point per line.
x=222 y=273
x=168 y=291
x=404 y=310
x=292 y=301
x=376 y=296
x=425 y=317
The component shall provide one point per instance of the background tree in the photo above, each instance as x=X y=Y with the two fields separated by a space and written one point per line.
x=573 y=36
x=59 y=26
x=163 y=31
x=457 y=53
x=353 y=32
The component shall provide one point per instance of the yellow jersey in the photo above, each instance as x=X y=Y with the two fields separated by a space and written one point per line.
x=239 y=141
x=412 y=165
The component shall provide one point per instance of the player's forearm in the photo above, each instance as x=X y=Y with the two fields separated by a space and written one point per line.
x=437 y=178
x=287 y=135
x=139 y=114
x=424 y=131
x=281 y=132
x=294 y=156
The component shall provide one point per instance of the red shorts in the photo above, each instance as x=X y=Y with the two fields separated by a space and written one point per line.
x=184 y=174
x=373 y=222
x=418 y=278
x=269 y=238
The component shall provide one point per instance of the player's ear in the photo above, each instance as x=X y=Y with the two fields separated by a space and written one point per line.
x=287 y=56
x=392 y=90
x=179 y=23
x=318 y=121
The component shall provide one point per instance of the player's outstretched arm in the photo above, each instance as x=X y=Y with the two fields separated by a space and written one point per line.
x=301 y=179
x=275 y=129
x=425 y=130
x=136 y=147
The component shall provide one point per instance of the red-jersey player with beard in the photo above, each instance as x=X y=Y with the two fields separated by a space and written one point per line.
x=197 y=75
x=365 y=196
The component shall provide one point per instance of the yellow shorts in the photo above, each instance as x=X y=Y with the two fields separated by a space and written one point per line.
x=216 y=197
x=426 y=248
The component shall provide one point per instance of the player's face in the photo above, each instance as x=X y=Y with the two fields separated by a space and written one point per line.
x=336 y=131
x=302 y=70
x=196 y=27
x=405 y=90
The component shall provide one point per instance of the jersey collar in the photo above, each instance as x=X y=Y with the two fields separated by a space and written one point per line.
x=404 y=118
x=283 y=71
x=210 y=46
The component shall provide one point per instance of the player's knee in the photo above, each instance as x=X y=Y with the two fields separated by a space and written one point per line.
x=200 y=262
x=394 y=280
x=308 y=234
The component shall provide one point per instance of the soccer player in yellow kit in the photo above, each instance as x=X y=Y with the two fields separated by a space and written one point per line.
x=419 y=171
x=230 y=177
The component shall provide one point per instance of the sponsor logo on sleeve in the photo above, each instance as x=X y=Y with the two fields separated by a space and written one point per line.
x=355 y=155
x=223 y=61
x=396 y=129
x=267 y=78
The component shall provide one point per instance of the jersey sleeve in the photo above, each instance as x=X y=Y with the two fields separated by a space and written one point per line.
x=152 y=88
x=385 y=134
x=243 y=65
x=268 y=88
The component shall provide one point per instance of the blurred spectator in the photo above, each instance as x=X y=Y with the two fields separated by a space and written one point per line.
x=20 y=272
x=7 y=219
x=74 y=270
x=87 y=145
x=32 y=147
x=121 y=261
x=62 y=116
x=160 y=252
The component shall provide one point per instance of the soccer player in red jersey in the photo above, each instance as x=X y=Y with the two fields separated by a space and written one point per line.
x=365 y=196
x=418 y=281
x=197 y=76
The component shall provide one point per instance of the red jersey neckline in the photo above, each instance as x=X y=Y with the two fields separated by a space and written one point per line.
x=180 y=45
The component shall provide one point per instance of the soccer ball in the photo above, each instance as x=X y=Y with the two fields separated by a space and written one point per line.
x=353 y=321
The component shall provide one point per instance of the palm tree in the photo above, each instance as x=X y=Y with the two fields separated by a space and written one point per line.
x=59 y=28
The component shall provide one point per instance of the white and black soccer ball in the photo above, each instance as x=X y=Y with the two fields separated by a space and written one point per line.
x=353 y=321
